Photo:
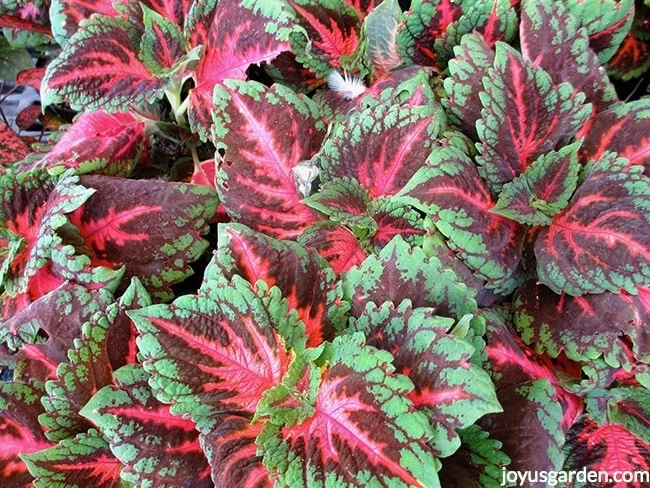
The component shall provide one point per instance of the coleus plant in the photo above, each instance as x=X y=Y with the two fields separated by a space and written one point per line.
x=420 y=231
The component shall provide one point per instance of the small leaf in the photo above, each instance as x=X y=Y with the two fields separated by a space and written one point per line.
x=12 y=147
x=327 y=35
x=162 y=43
x=337 y=244
x=542 y=190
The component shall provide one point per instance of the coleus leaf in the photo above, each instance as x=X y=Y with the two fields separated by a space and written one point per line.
x=99 y=68
x=303 y=277
x=33 y=207
x=606 y=21
x=12 y=147
x=84 y=460
x=28 y=117
x=235 y=34
x=426 y=21
x=632 y=58
x=232 y=452
x=620 y=129
x=450 y=189
x=326 y=35
x=162 y=43
x=552 y=40
x=343 y=200
x=381 y=146
x=152 y=228
x=265 y=133
x=193 y=346
x=599 y=243
x=473 y=59
x=380 y=32
x=363 y=7
x=394 y=218
x=142 y=433
x=86 y=371
x=543 y=189
x=336 y=243
x=585 y=328
x=97 y=142
x=20 y=432
x=478 y=463
x=435 y=245
x=66 y=15
x=60 y=315
x=529 y=391
x=346 y=423
x=121 y=334
x=612 y=435
x=402 y=272
x=495 y=20
x=451 y=391
x=431 y=28
x=524 y=115
x=31 y=77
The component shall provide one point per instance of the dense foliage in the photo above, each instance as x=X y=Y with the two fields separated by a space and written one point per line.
x=421 y=235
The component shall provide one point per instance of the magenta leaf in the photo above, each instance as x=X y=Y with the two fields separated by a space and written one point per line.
x=12 y=147
x=235 y=35
x=265 y=133
x=97 y=142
